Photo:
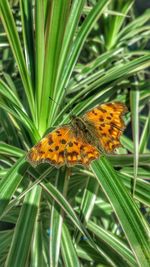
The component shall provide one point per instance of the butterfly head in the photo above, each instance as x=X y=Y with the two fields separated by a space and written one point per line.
x=72 y=117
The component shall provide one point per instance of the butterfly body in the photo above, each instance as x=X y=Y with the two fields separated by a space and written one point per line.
x=84 y=129
x=84 y=139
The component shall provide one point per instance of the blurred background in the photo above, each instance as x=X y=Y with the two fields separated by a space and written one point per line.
x=142 y=5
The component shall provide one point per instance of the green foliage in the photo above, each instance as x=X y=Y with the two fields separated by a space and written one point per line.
x=79 y=53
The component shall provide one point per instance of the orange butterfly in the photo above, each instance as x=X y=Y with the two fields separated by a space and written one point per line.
x=83 y=139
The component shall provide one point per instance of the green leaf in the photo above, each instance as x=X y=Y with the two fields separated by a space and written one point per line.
x=145 y=135
x=130 y=218
x=88 y=202
x=6 y=149
x=28 y=37
x=134 y=99
x=7 y=92
x=10 y=182
x=40 y=51
x=68 y=250
x=113 y=242
x=91 y=19
x=22 y=116
x=142 y=190
x=114 y=23
x=37 y=258
x=52 y=191
x=57 y=220
x=56 y=20
x=22 y=238
x=15 y=44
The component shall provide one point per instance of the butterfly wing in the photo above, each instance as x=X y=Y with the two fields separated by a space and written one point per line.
x=108 y=124
x=50 y=149
x=62 y=147
x=78 y=151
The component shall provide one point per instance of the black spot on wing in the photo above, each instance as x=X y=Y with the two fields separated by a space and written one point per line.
x=50 y=140
x=95 y=113
x=38 y=146
x=111 y=130
x=41 y=152
x=61 y=153
x=101 y=119
x=70 y=144
x=63 y=141
x=76 y=143
x=102 y=110
x=72 y=154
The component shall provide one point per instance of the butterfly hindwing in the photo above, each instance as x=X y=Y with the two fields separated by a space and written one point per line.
x=78 y=151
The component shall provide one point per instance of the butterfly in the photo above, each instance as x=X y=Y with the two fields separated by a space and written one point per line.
x=98 y=131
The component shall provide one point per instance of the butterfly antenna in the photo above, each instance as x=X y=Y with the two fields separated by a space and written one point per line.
x=54 y=101
x=70 y=112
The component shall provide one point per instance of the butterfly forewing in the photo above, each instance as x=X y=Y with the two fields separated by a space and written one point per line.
x=51 y=148
x=108 y=123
